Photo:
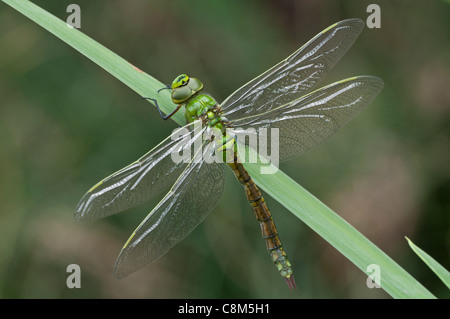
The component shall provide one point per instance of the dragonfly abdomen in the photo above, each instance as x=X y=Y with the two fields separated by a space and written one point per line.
x=268 y=229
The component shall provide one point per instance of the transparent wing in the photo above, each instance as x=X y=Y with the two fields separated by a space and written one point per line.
x=309 y=120
x=296 y=75
x=187 y=204
x=140 y=181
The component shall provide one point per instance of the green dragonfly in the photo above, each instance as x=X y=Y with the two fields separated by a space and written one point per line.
x=281 y=98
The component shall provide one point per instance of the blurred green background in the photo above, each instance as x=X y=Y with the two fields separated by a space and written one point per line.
x=65 y=124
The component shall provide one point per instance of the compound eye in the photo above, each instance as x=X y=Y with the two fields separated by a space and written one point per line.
x=181 y=94
x=195 y=84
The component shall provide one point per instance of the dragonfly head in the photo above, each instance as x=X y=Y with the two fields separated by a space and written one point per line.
x=184 y=87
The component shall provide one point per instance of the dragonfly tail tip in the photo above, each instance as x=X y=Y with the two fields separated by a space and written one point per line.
x=290 y=281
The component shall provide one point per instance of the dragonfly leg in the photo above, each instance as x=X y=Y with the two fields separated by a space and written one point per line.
x=164 y=117
x=156 y=104
x=168 y=116
x=167 y=87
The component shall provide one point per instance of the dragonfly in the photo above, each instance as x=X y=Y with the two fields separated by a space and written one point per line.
x=284 y=97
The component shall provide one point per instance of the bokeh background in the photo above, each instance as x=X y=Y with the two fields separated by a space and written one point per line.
x=65 y=124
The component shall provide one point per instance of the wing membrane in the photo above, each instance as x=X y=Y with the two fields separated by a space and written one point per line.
x=296 y=75
x=309 y=120
x=186 y=205
x=140 y=181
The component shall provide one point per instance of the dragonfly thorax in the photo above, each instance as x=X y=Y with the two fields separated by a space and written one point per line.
x=204 y=107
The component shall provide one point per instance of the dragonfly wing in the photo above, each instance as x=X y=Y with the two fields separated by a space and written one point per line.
x=309 y=120
x=296 y=75
x=140 y=181
x=186 y=205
